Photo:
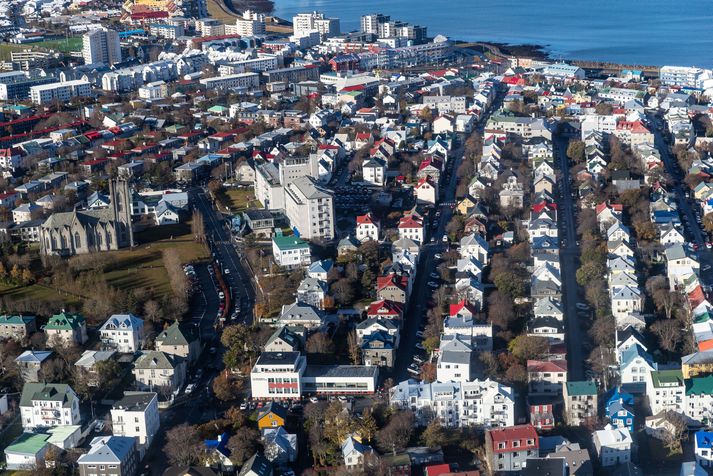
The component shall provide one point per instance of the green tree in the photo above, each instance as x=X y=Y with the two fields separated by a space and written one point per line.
x=525 y=347
x=575 y=151
x=434 y=435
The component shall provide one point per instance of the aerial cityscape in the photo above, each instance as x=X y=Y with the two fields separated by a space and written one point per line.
x=248 y=238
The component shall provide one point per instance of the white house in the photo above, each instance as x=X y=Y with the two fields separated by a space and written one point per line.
x=474 y=246
x=123 y=332
x=427 y=190
x=373 y=171
x=411 y=227
x=613 y=445
x=136 y=414
x=367 y=228
x=48 y=405
x=290 y=251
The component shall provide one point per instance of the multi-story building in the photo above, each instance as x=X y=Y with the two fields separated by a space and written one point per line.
x=181 y=340
x=508 y=448
x=305 y=23
x=682 y=76
x=154 y=370
x=666 y=391
x=367 y=228
x=580 y=402
x=704 y=449
x=17 y=326
x=123 y=332
x=66 y=328
x=164 y=30
x=546 y=377
x=277 y=375
x=136 y=415
x=48 y=405
x=290 y=251
x=60 y=92
x=110 y=456
x=613 y=445
x=247 y=81
x=310 y=208
x=15 y=85
x=484 y=403
x=699 y=400
x=250 y=24
x=32 y=363
x=101 y=46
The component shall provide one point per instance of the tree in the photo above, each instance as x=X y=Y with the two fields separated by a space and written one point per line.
x=183 y=445
x=431 y=343
x=243 y=445
x=428 y=372
x=367 y=425
x=198 y=226
x=354 y=348
x=525 y=347
x=152 y=311
x=434 y=435
x=344 y=291
x=501 y=309
x=223 y=387
x=676 y=432
x=396 y=434
x=575 y=151
x=668 y=333
x=319 y=343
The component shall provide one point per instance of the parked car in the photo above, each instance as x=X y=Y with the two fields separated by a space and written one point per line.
x=413 y=368
x=433 y=284
x=582 y=306
x=419 y=334
x=420 y=346
x=190 y=388
x=434 y=275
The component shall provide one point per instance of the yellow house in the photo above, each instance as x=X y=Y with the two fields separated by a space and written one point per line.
x=698 y=364
x=466 y=205
x=271 y=416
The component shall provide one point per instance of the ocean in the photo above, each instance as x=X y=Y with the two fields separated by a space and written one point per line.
x=651 y=32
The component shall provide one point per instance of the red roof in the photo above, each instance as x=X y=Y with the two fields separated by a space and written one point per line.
x=94 y=162
x=365 y=219
x=437 y=469
x=510 y=434
x=538 y=207
x=455 y=309
x=636 y=127
x=696 y=297
x=546 y=365
x=390 y=280
x=6 y=195
x=409 y=221
x=705 y=345
x=384 y=307
x=149 y=15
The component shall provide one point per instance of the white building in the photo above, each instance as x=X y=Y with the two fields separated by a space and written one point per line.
x=310 y=208
x=101 y=46
x=250 y=24
x=613 y=445
x=49 y=405
x=666 y=391
x=411 y=227
x=277 y=375
x=247 y=81
x=60 y=92
x=123 y=332
x=305 y=23
x=136 y=415
x=483 y=403
x=153 y=91
x=373 y=171
x=367 y=228
x=290 y=251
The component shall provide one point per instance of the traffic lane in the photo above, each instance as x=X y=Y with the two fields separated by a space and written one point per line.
x=209 y=295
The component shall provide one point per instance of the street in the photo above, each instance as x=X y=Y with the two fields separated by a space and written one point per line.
x=569 y=262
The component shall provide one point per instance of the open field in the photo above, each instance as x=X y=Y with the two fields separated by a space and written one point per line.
x=240 y=199
x=218 y=10
x=141 y=267
x=64 y=45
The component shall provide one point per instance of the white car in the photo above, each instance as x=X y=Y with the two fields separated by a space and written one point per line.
x=190 y=388
x=420 y=346
x=313 y=399
x=419 y=334
x=99 y=427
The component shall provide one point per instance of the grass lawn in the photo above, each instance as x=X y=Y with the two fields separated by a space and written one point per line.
x=241 y=198
x=218 y=10
x=35 y=292
x=64 y=45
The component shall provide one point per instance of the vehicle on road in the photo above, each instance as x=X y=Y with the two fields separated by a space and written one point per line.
x=420 y=346
x=313 y=399
x=413 y=368
x=434 y=275
x=190 y=388
x=437 y=256
x=417 y=359
x=706 y=267
x=99 y=427
x=445 y=238
x=433 y=284
x=582 y=306
x=419 y=334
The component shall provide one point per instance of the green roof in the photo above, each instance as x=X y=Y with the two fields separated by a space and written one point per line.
x=16 y=319
x=699 y=385
x=289 y=242
x=65 y=321
x=28 y=443
x=667 y=378
x=218 y=108
x=176 y=334
x=55 y=392
x=581 y=388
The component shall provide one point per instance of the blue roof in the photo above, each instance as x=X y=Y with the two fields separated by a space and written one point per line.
x=636 y=351
x=704 y=439
x=218 y=444
x=618 y=395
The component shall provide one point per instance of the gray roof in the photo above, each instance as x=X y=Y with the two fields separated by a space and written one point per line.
x=153 y=359
x=109 y=449
x=135 y=401
x=277 y=358
x=56 y=392
x=341 y=371
x=33 y=356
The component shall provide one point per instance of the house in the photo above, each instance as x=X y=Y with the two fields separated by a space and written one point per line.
x=154 y=370
x=541 y=412
x=180 y=339
x=290 y=251
x=66 y=328
x=86 y=364
x=704 y=448
x=666 y=391
x=373 y=171
x=613 y=446
x=31 y=363
x=580 y=402
x=378 y=349
x=354 y=452
x=48 y=405
x=320 y=269
x=635 y=366
x=411 y=226
x=112 y=455
x=546 y=377
x=136 y=415
x=288 y=367
x=218 y=454
x=575 y=457
x=300 y=314
x=697 y=364
x=392 y=287
x=508 y=448
x=257 y=465
x=427 y=190
x=27 y=452
x=699 y=400
x=17 y=326
x=123 y=332
x=312 y=291
x=272 y=415
x=367 y=228
x=620 y=414
x=285 y=339
x=475 y=246
x=549 y=466
x=280 y=446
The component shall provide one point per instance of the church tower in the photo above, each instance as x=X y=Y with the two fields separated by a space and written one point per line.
x=121 y=203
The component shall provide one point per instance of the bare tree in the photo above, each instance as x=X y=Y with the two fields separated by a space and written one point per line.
x=354 y=348
x=183 y=445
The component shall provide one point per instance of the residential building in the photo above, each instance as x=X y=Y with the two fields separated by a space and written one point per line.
x=290 y=251
x=48 y=405
x=310 y=208
x=703 y=448
x=280 y=446
x=272 y=415
x=250 y=24
x=354 y=452
x=277 y=375
x=154 y=370
x=613 y=445
x=699 y=400
x=508 y=448
x=31 y=364
x=180 y=339
x=101 y=46
x=17 y=326
x=66 y=328
x=546 y=377
x=110 y=456
x=580 y=402
x=257 y=465
x=27 y=452
x=367 y=228
x=123 y=332
x=60 y=92
x=136 y=415
x=666 y=391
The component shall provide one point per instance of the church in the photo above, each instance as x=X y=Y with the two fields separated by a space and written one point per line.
x=86 y=231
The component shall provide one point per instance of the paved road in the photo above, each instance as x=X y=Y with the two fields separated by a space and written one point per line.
x=236 y=274
x=684 y=206
x=569 y=262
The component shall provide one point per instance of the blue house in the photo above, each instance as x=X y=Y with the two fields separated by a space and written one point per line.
x=621 y=415
x=219 y=454
x=704 y=449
